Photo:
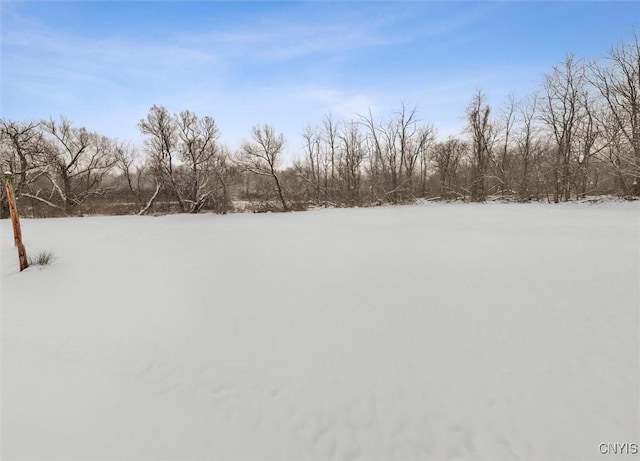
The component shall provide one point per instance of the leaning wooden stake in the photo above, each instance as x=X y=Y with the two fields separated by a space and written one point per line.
x=15 y=220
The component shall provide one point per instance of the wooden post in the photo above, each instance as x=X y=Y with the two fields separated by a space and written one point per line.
x=15 y=220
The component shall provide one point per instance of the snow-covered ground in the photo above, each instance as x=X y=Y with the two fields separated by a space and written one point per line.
x=437 y=331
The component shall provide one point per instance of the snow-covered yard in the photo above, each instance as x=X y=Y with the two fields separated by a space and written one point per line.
x=437 y=331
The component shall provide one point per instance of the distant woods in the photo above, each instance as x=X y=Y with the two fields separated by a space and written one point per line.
x=578 y=135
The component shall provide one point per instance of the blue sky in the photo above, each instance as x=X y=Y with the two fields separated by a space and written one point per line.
x=103 y=64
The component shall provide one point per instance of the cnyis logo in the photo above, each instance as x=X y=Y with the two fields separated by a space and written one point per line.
x=618 y=448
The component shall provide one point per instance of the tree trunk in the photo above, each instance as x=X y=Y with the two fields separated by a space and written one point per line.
x=280 y=194
x=15 y=220
x=150 y=202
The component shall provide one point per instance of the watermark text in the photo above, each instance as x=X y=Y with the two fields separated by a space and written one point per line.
x=618 y=448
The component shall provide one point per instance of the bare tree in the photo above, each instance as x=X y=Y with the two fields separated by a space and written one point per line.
x=482 y=137
x=161 y=148
x=377 y=171
x=312 y=170
x=76 y=163
x=504 y=134
x=589 y=142
x=198 y=151
x=330 y=130
x=561 y=111
x=527 y=144
x=618 y=82
x=352 y=154
x=615 y=155
x=414 y=140
x=261 y=156
x=446 y=157
x=21 y=152
x=128 y=163
x=396 y=147
x=224 y=174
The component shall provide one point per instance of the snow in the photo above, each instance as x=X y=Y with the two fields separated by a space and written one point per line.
x=435 y=331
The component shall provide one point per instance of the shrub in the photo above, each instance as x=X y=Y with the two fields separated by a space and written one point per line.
x=43 y=258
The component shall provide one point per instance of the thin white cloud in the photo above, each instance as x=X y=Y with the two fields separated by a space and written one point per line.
x=100 y=55
x=282 y=40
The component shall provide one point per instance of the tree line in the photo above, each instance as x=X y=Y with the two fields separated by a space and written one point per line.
x=578 y=135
